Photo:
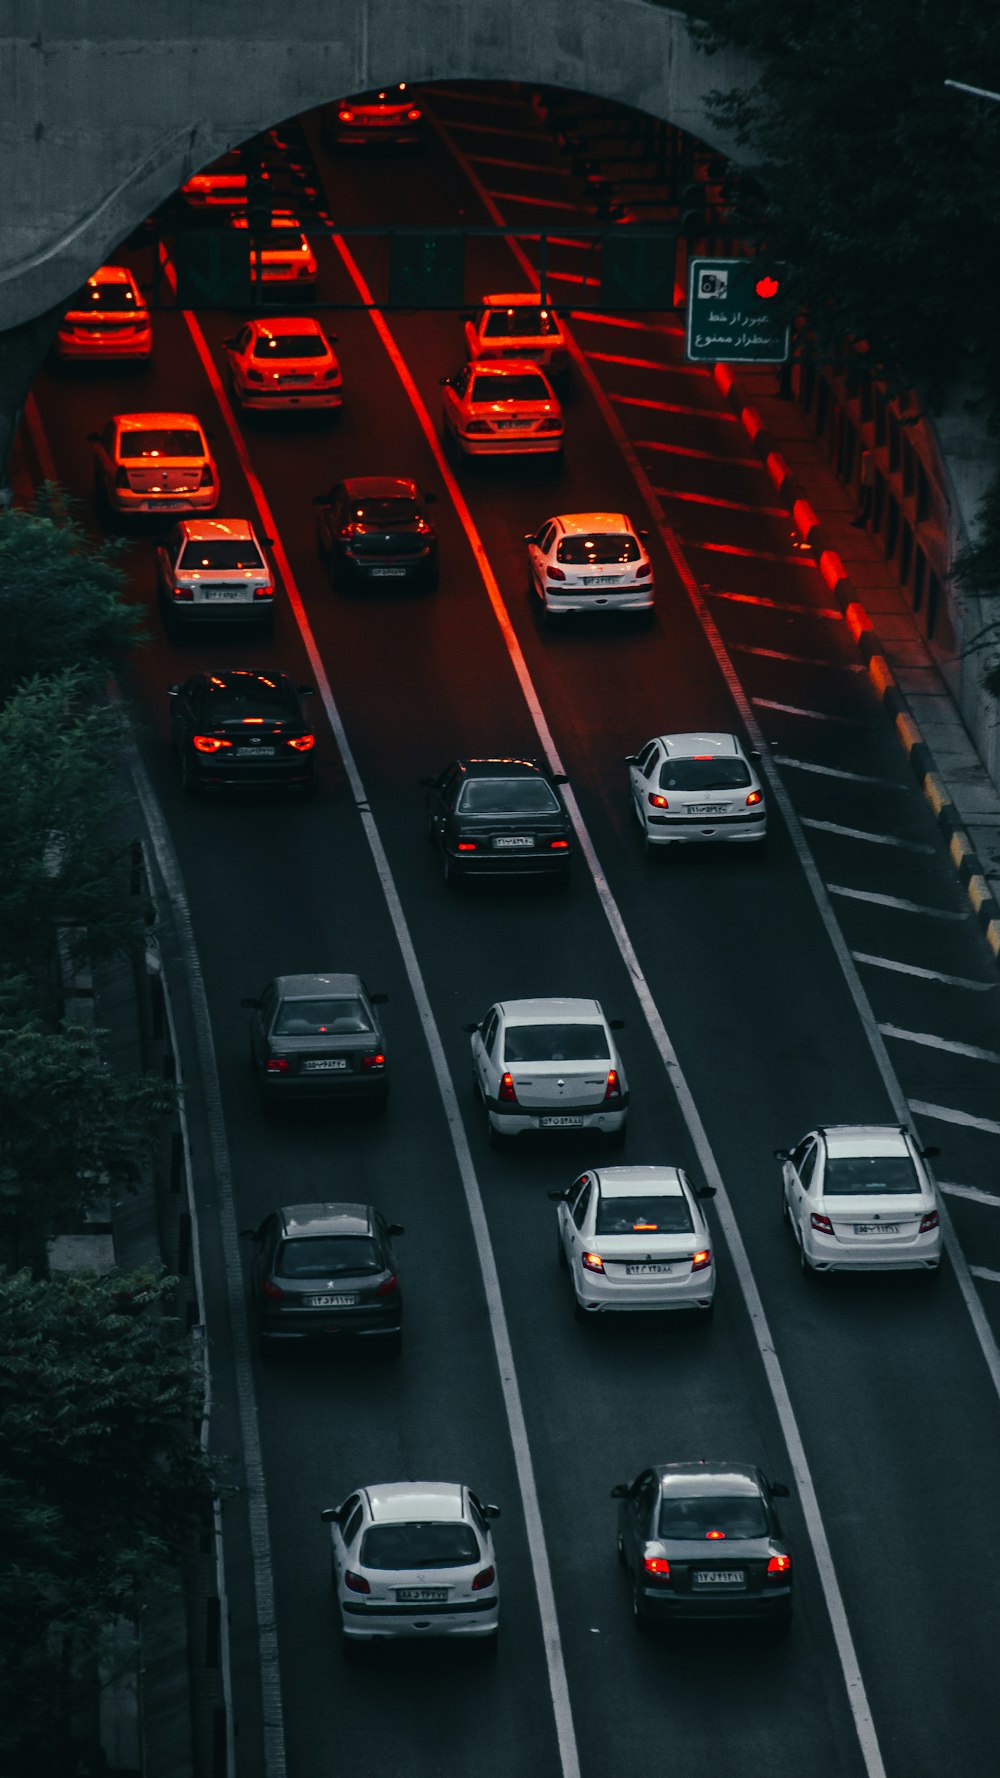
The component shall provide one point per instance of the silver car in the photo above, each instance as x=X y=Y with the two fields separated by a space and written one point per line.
x=212 y=571
x=318 y=1037
x=696 y=788
x=635 y=1238
x=858 y=1198
x=549 y=1065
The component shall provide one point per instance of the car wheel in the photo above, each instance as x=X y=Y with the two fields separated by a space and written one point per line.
x=189 y=776
x=267 y=1351
x=579 y=1312
x=488 y=1645
x=621 y=1553
x=639 y=1615
x=449 y=869
x=379 y=1105
x=561 y=1256
x=808 y=1269
x=786 y=1215
x=351 y=1647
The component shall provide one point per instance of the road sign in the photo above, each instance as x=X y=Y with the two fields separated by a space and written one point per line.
x=426 y=271
x=637 y=270
x=213 y=268
x=734 y=314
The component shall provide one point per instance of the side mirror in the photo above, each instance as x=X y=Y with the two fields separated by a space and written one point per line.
x=617 y=1024
x=644 y=535
x=529 y=537
x=630 y=759
x=705 y=1191
x=251 y=1234
x=334 y=337
x=491 y=1512
x=254 y=1004
x=559 y=778
x=779 y=1490
x=395 y=1228
x=927 y=1154
x=620 y=1491
x=782 y=1154
x=331 y=1512
x=307 y=691
x=470 y=1028
x=754 y=752
x=427 y=783
x=379 y=999
x=231 y=342
x=173 y=691
x=559 y=1197
x=270 y=542
x=210 y=433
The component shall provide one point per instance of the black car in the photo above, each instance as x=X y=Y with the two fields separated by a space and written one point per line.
x=373 y=532
x=702 y=1540
x=498 y=817
x=318 y=1037
x=242 y=728
x=389 y=117
x=320 y=1271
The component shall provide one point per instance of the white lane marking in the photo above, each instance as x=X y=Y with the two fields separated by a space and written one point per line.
x=756 y=555
x=679 y=450
x=926 y=975
x=774 y=604
x=946 y=1114
x=628 y=322
x=798 y=660
x=864 y=833
x=770 y=512
x=896 y=901
x=797 y=710
x=809 y=765
x=929 y=1040
x=570 y=241
x=552 y=277
x=495 y=129
x=854 y=1684
x=520 y=197
x=674 y=370
x=532 y=167
x=974 y=1193
x=985 y=1272
x=671 y=407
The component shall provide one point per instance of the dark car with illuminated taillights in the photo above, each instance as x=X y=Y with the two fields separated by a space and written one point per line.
x=373 y=533
x=318 y=1037
x=703 y=1540
x=240 y=728
x=498 y=818
x=388 y=117
x=326 y=1272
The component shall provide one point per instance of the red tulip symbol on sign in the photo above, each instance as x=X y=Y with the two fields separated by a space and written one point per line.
x=766 y=287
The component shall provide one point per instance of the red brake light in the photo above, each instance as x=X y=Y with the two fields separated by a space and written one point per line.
x=644 y=571
x=592 y=1262
x=779 y=1565
x=375 y=1061
x=273 y=1291
x=207 y=478
x=208 y=743
x=467 y=846
x=754 y=797
x=263 y=592
x=276 y=1065
x=183 y=592
x=486 y=1576
x=302 y=743
x=356 y=1582
x=346 y=116
x=656 y=1565
x=714 y=1534
x=822 y=1223
x=656 y=801
x=477 y=426
x=413 y=115
x=701 y=1259
x=613 y=1089
x=505 y=1093
x=928 y=1222
x=559 y=845
x=332 y=375
x=388 y=1286
x=554 y=574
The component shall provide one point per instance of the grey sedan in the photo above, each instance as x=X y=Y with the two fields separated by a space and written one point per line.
x=318 y=1037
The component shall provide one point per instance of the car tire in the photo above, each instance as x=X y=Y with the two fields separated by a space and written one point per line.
x=267 y=1351
x=639 y=1615
x=351 y=1648
x=807 y=1268
x=580 y=1314
x=189 y=777
x=621 y=1553
x=786 y=1215
x=379 y=1105
x=489 y=1646
x=561 y=1259
x=449 y=870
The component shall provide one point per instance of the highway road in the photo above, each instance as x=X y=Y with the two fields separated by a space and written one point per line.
x=838 y=979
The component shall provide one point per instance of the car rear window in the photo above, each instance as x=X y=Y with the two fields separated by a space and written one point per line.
x=290 y=345
x=604 y=546
x=104 y=296
x=344 y=1016
x=507 y=796
x=638 y=1215
x=234 y=701
x=326 y=1256
x=513 y=388
x=521 y=323
x=221 y=552
x=287 y=239
x=420 y=1545
x=162 y=442
x=704 y=774
x=390 y=509
x=849 y=1176
x=740 y=1515
x=556 y=1043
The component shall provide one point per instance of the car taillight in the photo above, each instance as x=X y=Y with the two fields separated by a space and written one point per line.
x=644 y=571
x=592 y=1262
x=554 y=574
x=346 y=116
x=276 y=1065
x=254 y=376
x=388 y=1286
x=551 y=426
x=373 y=1062
x=558 y=845
x=206 y=479
x=928 y=1222
x=701 y=1259
x=486 y=1576
x=656 y=801
x=779 y=1565
x=208 y=743
x=121 y=478
x=467 y=846
x=413 y=115
x=822 y=1223
x=183 y=592
x=505 y=1092
x=754 y=797
x=613 y=1089
x=306 y=271
x=356 y=1582
x=264 y=592
x=477 y=426
x=301 y=743
x=657 y=1566
x=273 y=1292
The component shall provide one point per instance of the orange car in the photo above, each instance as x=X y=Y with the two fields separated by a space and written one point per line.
x=106 y=319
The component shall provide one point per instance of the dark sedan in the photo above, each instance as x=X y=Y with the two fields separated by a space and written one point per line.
x=373 y=532
x=389 y=117
x=242 y=728
x=498 y=817
x=322 y=1271
x=318 y=1037
x=702 y=1540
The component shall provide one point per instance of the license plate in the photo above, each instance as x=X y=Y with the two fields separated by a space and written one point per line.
x=255 y=752
x=324 y=1064
x=165 y=505
x=513 y=842
x=646 y=1271
x=234 y=594
x=718 y=1577
x=509 y=425
x=876 y=1228
x=385 y=573
x=330 y=1302
x=561 y=1123
x=421 y=1595
x=707 y=808
x=601 y=580
x=294 y=382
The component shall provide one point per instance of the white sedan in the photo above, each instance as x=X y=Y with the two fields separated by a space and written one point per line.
x=414 y=1559
x=548 y=1065
x=636 y=1238
x=287 y=362
x=513 y=324
x=859 y=1198
x=502 y=408
x=696 y=788
x=590 y=561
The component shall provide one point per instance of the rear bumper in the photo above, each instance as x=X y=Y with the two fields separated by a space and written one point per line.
x=357 y=1088
x=72 y=347
x=603 y=1295
x=774 y=1605
x=510 y=864
x=515 y=1121
x=289 y=1330
x=355 y=571
x=255 y=777
x=219 y=611
x=493 y=445
x=126 y=500
x=700 y=830
x=281 y=400
x=475 y=1618
x=640 y=598
x=826 y=1254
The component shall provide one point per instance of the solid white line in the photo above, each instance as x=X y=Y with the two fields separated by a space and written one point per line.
x=808 y=765
x=863 y=833
x=895 y=901
x=496 y=129
x=755 y=555
x=947 y=1114
x=984 y=1272
x=926 y=975
x=800 y=660
x=929 y=1040
x=796 y=710
x=520 y=197
x=973 y=1192
x=532 y=167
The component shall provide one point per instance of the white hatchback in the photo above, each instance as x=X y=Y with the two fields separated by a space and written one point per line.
x=636 y=1238
x=859 y=1199
x=548 y=1065
x=696 y=788
x=590 y=561
x=286 y=362
x=514 y=324
x=414 y=1559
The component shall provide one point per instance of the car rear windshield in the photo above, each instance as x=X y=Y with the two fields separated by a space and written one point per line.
x=605 y=546
x=344 y=1016
x=290 y=345
x=556 y=1043
x=421 y=1545
x=520 y=323
x=507 y=796
x=704 y=774
x=389 y=509
x=513 y=388
x=326 y=1256
x=232 y=701
x=638 y=1215
x=863 y=1175
x=162 y=442
x=221 y=552
x=104 y=296
x=740 y=1515
x=287 y=239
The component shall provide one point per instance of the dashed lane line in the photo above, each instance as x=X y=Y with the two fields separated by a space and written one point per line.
x=670 y=407
x=630 y=324
x=974 y=1193
x=754 y=555
x=799 y=660
x=947 y=1114
x=991 y=1277
x=924 y=975
x=950 y=1045
x=774 y=604
x=536 y=171
x=811 y=765
x=797 y=710
x=679 y=450
x=896 y=901
x=864 y=833
x=771 y=512
x=519 y=197
x=494 y=129
x=674 y=370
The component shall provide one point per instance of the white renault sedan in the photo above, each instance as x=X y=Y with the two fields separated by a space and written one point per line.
x=696 y=788
x=636 y=1238
x=414 y=1559
x=548 y=1065
x=859 y=1198
x=590 y=562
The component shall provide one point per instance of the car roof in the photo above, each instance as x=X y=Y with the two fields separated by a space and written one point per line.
x=285 y=324
x=374 y=487
x=862 y=1139
x=703 y=1477
x=653 y=1182
x=395 y=1502
x=111 y=274
x=501 y=768
x=305 y=987
x=208 y=530
x=688 y=746
x=512 y=299
x=326 y=1219
x=142 y=422
x=580 y=524
x=529 y=1012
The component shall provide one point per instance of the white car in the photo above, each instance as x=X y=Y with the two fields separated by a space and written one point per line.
x=502 y=409
x=414 y=1559
x=214 y=569
x=635 y=1238
x=284 y=253
x=155 y=462
x=696 y=788
x=514 y=324
x=287 y=362
x=590 y=561
x=549 y=1065
x=859 y=1199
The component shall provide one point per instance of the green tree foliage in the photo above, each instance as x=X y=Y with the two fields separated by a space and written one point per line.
x=61 y=595
x=103 y=1482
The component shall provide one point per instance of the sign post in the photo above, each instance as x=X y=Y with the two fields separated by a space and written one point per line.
x=732 y=313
